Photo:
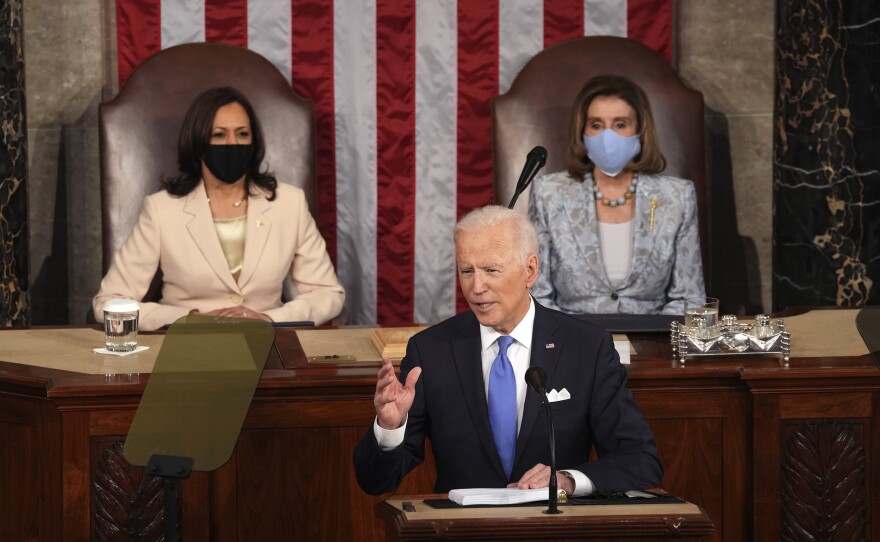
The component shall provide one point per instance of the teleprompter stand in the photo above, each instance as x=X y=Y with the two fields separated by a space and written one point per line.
x=172 y=470
x=196 y=400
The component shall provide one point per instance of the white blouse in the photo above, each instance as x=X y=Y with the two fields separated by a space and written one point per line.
x=615 y=242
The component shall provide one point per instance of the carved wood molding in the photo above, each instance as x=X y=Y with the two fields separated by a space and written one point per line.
x=128 y=505
x=823 y=483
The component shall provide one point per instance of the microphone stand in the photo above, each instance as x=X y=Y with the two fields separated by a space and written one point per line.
x=535 y=160
x=514 y=198
x=537 y=380
x=553 y=497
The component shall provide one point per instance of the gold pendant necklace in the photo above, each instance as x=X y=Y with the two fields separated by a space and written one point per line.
x=236 y=204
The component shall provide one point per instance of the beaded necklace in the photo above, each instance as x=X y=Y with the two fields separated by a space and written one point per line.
x=630 y=192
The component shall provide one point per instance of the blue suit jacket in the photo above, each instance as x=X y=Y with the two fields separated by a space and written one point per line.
x=450 y=409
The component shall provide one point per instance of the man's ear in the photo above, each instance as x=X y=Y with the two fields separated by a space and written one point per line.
x=531 y=270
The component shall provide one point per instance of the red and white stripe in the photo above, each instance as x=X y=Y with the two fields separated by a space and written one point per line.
x=401 y=91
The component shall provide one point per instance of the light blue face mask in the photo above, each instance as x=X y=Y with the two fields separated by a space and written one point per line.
x=610 y=151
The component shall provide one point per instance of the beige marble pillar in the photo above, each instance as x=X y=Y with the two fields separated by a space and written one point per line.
x=69 y=73
x=725 y=50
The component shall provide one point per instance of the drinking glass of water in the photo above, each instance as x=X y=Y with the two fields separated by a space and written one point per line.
x=707 y=307
x=121 y=324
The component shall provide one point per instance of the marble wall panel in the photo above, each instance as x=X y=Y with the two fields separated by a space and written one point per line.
x=826 y=160
x=14 y=288
x=725 y=50
x=67 y=69
x=48 y=224
x=752 y=159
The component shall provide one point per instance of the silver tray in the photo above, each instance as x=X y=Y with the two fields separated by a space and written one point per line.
x=731 y=339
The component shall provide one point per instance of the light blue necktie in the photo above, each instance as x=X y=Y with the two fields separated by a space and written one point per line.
x=502 y=404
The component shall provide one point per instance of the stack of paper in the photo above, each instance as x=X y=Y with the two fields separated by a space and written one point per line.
x=497 y=496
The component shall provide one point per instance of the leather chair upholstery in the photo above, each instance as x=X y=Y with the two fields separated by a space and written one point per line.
x=139 y=128
x=537 y=108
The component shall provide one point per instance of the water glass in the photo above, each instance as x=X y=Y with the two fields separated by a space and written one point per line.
x=121 y=324
x=707 y=307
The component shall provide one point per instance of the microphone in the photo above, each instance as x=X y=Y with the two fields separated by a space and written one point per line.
x=536 y=378
x=535 y=160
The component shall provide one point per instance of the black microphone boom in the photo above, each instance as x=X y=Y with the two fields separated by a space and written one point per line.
x=535 y=160
x=536 y=378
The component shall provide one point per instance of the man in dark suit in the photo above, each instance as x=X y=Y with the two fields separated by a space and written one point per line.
x=462 y=385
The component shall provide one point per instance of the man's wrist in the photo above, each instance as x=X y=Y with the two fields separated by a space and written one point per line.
x=384 y=424
x=583 y=486
x=570 y=477
x=388 y=439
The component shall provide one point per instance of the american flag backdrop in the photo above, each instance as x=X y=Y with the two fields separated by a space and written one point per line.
x=402 y=91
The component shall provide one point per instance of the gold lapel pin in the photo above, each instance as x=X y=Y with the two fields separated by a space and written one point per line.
x=260 y=222
x=651 y=219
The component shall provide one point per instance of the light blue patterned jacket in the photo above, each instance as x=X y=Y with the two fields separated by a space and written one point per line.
x=666 y=264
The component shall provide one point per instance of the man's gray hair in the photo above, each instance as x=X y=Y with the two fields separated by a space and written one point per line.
x=525 y=237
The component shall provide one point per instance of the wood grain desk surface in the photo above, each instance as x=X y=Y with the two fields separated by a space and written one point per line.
x=646 y=521
x=63 y=357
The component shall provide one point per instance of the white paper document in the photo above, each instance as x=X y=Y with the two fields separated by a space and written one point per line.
x=498 y=496
x=622 y=348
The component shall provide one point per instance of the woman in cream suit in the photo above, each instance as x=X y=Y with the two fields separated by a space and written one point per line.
x=225 y=234
x=615 y=235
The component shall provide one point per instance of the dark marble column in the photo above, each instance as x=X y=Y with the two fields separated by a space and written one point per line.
x=827 y=153
x=13 y=169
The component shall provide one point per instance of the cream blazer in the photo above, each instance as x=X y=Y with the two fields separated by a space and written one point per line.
x=178 y=235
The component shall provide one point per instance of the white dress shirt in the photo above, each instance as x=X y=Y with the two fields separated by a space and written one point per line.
x=519 y=354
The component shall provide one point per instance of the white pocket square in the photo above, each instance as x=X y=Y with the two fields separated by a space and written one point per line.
x=561 y=395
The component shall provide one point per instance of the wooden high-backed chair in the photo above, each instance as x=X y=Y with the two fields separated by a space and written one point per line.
x=139 y=128
x=537 y=108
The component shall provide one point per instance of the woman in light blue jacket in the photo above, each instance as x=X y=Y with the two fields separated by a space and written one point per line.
x=615 y=235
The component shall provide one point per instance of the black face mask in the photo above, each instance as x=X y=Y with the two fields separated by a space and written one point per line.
x=228 y=162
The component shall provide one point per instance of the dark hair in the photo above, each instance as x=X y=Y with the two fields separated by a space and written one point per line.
x=195 y=136
x=649 y=160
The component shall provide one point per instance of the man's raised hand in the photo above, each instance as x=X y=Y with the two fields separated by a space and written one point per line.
x=393 y=399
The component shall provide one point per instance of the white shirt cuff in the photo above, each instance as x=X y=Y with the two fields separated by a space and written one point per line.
x=582 y=485
x=390 y=439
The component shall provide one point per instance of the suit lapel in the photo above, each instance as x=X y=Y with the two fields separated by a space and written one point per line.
x=201 y=229
x=258 y=228
x=544 y=353
x=643 y=235
x=466 y=356
x=580 y=206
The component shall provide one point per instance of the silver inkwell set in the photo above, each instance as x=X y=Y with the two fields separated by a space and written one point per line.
x=698 y=338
